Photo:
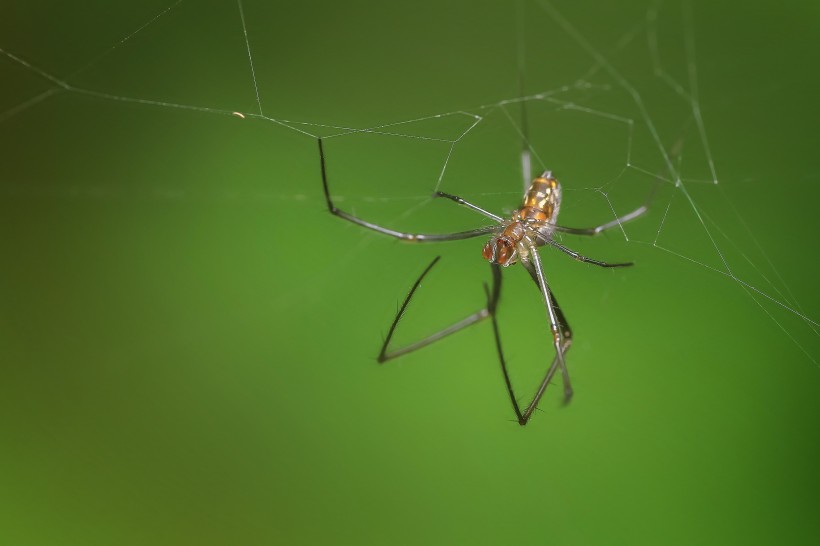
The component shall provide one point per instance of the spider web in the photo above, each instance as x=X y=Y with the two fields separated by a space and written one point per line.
x=625 y=126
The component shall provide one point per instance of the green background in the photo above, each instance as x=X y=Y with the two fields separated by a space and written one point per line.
x=188 y=338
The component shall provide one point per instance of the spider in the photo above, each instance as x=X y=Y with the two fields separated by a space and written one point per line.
x=513 y=239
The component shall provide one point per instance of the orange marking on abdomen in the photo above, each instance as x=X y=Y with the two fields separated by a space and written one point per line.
x=541 y=200
x=532 y=213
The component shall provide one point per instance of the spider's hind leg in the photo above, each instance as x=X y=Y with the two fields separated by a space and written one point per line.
x=566 y=341
x=565 y=335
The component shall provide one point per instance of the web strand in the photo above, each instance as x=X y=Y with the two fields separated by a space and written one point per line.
x=565 y=96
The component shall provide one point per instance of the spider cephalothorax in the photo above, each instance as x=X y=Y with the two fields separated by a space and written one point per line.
x=503 y=249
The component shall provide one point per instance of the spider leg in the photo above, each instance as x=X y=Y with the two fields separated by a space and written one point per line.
x=566 y=334
x=467 y=204
x=492 y=304
x=566 y=331
x=526 y=153
x=620 y=219
x=603 y=227
x=581 y=258
x=492 y=300
x=414 y=237
x=561 y=335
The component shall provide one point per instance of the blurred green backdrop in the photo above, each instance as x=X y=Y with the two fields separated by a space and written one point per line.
x=188 y=338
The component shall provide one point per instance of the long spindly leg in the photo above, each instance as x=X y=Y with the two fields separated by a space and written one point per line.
x=492 y=306
x=566 y=332
x=566 y=335
x=584 y=259
x=415 y=237
x=526 y=153
x=467 y=204
x=566 y=339
x=492 y=301
x=524 y=130
x=617 y=222
x=557 y=325
x=603 y=227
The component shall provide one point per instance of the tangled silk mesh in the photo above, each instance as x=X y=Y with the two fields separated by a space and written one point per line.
x=623 y=130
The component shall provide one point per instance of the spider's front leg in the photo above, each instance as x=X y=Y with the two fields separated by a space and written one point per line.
x=464 y=202
x=413 y=237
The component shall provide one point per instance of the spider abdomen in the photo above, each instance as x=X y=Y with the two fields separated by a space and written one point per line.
x=542 y=200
